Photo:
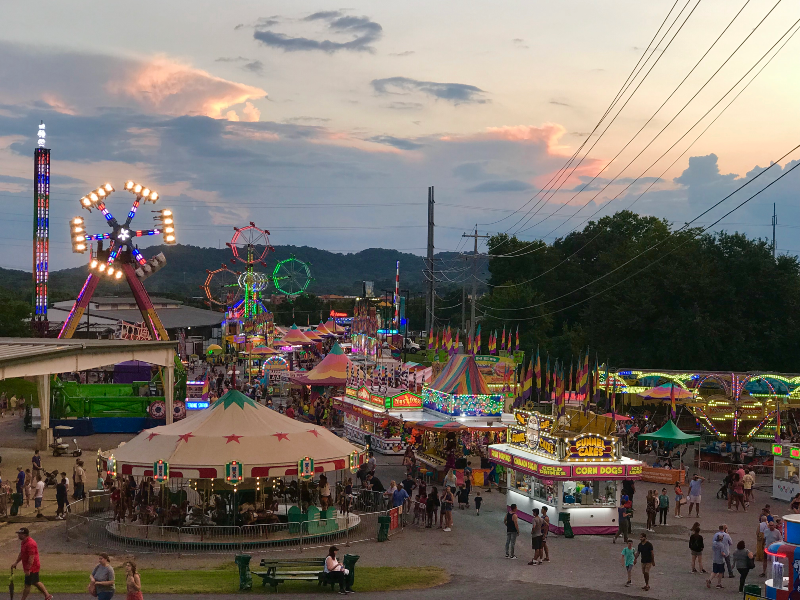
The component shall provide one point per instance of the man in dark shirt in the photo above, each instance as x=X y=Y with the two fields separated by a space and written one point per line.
x=648 y=556
x=409 y=485
x=376 y=484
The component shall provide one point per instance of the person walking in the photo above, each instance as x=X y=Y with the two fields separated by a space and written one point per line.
x=749 y=482
x=695 y=493
x=679 y=500
x=663 y=507
x=651 y=500
x=512 y=531
x=771 y=535
x=36 y=464
x=38 y=496
x=29 y=557
x=726 y=539
x=696 y=547
x=536 y=538
x=623 y=520
x=78 y=479
x=61 y=498
x=628 y=560
x=102 y=578
x=646 y=552
x=743 y=559
x=28 y=487
x=718 y=561
x=432 y=507
x=545 y=533
x=447 y=510
x=133 y=583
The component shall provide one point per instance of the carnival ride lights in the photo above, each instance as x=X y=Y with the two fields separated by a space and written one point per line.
x=292 y=276
x=122 y=258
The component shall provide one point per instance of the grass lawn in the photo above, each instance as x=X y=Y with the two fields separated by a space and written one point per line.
x=226 y=580
x=20 y=387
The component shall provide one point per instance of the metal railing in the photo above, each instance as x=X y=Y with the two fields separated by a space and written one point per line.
x=98 y=529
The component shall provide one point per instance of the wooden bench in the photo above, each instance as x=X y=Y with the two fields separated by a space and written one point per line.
x=302 y=569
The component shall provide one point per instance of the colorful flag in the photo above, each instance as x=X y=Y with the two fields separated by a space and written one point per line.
x=204 y=396
x=608 y=383
x=436 y=342
x=672 y=400
x=546 y=378
x=538 y=371
x=527 y=383
x=455 y=349
x=503 y=339
x=516 y=344
x=570 y=382
x=477 y=341
x=431 y=341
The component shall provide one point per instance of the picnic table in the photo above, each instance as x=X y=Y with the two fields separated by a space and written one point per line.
x=292 y=569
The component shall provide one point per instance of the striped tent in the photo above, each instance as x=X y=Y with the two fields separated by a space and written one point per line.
x=295 y=336
x=332 y=370
x=461 y=376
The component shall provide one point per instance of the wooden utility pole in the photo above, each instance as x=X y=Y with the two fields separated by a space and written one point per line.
x=475 y=236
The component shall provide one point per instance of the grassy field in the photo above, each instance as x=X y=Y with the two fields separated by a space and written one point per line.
x=20 y=387
x=226 y=580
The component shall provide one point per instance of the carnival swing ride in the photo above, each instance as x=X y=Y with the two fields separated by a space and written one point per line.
x=121 y=258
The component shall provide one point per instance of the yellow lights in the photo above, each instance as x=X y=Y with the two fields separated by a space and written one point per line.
x=168 y=221
x=169 y=229
x=165 y=217
x=166 y=212
x=102 y=267
x=101 y=192
x=77 y=235
x=93 y=264
x=110 y=270
x=94 y=197
x=118 y=275
x=85 y=201
x=170 y=239
x=108 y=187
x=141 y=191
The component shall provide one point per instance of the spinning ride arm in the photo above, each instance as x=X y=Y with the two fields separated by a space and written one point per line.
x=149 y=315
x=74 y=318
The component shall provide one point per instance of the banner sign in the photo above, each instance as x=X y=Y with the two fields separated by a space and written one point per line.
x=590 y=447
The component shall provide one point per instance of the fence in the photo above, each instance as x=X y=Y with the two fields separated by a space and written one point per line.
x=724 y=467
x=98 y=529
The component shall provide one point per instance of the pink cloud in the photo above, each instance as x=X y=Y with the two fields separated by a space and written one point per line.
x=168 y=86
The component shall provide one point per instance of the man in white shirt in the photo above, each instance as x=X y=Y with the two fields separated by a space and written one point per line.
x=727 y=542
x=39 y=496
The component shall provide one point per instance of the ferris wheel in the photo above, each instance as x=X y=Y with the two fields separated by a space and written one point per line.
x=222 y=286
x=250 y=244
x=292 y=276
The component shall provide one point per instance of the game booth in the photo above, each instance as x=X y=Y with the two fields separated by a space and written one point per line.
x=237 y=464
x=573 y=466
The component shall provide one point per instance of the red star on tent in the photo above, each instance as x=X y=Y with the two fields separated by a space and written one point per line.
x=281 y=436
x=314 y=431
x=151 y=436
x=185 y=437
x=233 y=438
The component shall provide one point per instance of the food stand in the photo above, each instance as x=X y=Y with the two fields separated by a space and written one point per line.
x=785 y=471
x=573 y=467
x=668 y=433
x=377 y=417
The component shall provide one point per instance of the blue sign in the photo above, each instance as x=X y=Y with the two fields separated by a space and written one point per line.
x=200 y=405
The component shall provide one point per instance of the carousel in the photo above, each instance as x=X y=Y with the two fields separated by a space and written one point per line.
x=237 y=466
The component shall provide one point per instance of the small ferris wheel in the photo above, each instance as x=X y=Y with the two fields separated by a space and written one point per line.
x=250 y=244
x=292 y=276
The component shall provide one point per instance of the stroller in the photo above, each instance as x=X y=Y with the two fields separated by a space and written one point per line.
x=722 y=492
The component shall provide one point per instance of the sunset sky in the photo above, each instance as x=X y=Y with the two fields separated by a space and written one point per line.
x=326 y=125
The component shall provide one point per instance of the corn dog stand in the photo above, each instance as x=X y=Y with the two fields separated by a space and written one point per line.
x=573 y=466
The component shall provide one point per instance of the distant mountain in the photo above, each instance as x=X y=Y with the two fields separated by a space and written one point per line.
x=332 y=273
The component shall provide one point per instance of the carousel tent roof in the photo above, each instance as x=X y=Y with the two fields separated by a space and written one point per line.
x=461 y=376
x=295 y=336
x=234 y=428
x=332 y=370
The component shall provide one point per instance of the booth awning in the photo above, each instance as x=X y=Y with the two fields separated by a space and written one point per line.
x=671 y=433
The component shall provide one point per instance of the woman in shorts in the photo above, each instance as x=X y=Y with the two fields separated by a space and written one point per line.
x=678 y=500
x=447 y=510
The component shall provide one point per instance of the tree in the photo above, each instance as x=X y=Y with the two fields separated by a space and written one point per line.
x=14 y=318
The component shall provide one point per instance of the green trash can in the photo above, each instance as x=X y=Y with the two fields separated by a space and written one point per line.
x=349 y=563
x=563 y=517
x=245 y=578
x=16 y=502
x=752 y=588
x=383 y=528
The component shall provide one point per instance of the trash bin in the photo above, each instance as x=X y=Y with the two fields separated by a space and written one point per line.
x=563 y=519
x=349 y=563
x=245 y=578
x=383 y=528
x=16 y=502
x=752 y=588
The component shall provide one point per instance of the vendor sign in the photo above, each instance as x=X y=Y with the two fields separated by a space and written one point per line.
x=161 y=471
x=406 y=400
x=590 y=447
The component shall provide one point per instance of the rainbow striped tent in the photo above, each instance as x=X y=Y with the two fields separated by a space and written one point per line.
x=296 y=337
x=332 y=370
x=461 y=376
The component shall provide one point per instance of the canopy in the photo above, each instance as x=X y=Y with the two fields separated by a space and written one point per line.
x=265 y=351
x=235 y=428
x=333 y=328
x=461 y=376
x=664 y=391
x=214 y=349
x=617 y=417
x=332 y=370
x=323 y=330
x=295 y=336
x=671 y=433
x=313 y=335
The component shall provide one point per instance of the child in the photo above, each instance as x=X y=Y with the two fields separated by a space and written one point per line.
x=478 y=501
x=628 y=557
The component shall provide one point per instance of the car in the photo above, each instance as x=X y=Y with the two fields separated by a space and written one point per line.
x=411 y=346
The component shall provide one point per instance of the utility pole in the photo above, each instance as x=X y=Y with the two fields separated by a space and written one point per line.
x=774 y=225
x=474 y=278
x=429 y=308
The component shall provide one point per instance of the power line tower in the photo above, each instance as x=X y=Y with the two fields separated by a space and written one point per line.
x=475 y=236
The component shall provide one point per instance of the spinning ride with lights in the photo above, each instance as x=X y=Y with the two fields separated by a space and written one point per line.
x=239 y=293
x=121 y=258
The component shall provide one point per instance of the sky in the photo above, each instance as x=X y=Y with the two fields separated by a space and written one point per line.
x=325 y=124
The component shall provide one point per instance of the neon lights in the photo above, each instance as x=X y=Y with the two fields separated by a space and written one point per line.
x=462 y=405
x=777 y=450
x=41 y=233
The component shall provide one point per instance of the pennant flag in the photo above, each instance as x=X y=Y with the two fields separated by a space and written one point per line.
x=436 y=344
x=516 y=344
x=546 y=379
x=431 y=341
x=477 y=341
x=672 y=400
x=503 y=340
x=527 y=384
x=538 y=372
x=608 y=382
x=455 y=350
x=204 y=396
